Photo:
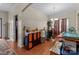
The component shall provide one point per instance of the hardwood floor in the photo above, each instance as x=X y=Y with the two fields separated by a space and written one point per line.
x=40 y=49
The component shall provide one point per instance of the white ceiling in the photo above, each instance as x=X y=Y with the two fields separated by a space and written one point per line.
x=49 y=8
x=6 y=6
x=46 y=8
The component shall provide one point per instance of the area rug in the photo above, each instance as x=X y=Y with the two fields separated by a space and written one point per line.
x=8 y=52
x=5 y=48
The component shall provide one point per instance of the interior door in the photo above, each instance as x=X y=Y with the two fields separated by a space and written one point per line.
x=0 y=28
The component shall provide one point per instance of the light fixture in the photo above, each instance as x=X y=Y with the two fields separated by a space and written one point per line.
x=53 y=11
x=53 y=14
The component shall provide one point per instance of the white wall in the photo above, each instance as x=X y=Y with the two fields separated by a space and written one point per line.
x=29 y=17
x=34 y=18
x=16 y=10
x=70 y=14
x=4 y=16
x=77 y=22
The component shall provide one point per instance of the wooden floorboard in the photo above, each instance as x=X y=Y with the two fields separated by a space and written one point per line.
x=40 y=49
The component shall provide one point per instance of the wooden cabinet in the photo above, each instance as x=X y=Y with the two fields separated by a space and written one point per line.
x=32 y=39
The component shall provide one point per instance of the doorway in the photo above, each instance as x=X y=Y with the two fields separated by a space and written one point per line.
x=16 y=28
x=0 y=27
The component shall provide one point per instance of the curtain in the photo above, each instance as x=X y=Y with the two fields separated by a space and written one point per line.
x=63 y=24
x=56 y=27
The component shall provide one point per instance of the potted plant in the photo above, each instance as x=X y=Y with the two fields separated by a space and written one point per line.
x=72 y=30
x=49 y=26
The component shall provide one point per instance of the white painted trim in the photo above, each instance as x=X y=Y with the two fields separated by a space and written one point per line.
x=77 y=21
x=67 y=24
x=60 y=25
